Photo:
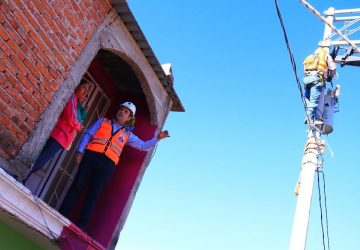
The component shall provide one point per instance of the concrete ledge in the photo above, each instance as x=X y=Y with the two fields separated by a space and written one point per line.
x=18 y=201
x=29 y=215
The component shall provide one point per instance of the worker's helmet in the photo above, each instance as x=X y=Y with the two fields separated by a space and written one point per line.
x=130 y=106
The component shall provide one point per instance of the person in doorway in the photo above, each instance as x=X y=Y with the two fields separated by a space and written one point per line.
x=64 y=131
x=98 y=153
x=81 y=114
x=318 y=68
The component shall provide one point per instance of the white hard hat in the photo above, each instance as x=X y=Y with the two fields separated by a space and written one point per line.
x=130 y=106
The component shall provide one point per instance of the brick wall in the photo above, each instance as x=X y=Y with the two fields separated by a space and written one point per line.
x=39 y=42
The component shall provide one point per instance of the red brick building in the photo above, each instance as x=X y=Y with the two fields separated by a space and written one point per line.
x=46 y=48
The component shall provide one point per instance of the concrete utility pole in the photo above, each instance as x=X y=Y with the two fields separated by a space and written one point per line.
x=314 y=146
x=310 y=163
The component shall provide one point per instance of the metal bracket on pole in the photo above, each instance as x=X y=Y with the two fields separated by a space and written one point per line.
x=348 y=21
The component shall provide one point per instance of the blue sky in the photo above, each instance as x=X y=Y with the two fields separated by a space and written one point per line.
x=225 y=178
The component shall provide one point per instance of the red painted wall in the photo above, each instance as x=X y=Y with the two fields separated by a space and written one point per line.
x=115 y=195
x=73 y=237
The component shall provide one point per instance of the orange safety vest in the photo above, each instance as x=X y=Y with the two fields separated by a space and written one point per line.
x=316 y=61
x=104 y=141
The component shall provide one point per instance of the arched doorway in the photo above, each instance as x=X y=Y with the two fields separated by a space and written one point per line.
x=114 y=81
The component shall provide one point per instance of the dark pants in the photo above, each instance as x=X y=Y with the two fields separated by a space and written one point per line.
x=50 y=149
x=95 y=169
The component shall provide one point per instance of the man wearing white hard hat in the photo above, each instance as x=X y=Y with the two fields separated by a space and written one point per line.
x=97 y=155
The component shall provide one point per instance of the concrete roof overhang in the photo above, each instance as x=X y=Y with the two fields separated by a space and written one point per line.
x=124 y=12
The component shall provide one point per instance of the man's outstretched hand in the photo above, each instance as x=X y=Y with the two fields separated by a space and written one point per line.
x=163 y=134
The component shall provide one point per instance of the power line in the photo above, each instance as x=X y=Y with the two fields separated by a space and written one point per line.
x=292 y=59
x=311 y=128
x=167 y=110
x=321 y=210
x=299 y=86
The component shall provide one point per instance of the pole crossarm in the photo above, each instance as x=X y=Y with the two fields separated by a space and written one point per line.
x=339 y=43
x=351 y=60
x=347 y=11
x=333 y=12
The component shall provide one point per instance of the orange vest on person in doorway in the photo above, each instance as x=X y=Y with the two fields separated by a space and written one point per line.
x=104 y=141
x=317 y=61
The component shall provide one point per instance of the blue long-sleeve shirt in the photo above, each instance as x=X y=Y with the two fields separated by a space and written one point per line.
x=133 y=140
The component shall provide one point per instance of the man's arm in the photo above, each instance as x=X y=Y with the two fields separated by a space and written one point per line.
x=137 y=143
x=331 y=67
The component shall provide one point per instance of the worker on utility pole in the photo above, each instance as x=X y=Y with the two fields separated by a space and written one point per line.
x=97 y=155
x=318 y=68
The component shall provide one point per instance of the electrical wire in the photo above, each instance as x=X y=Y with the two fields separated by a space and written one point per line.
x=36 y=200
x=294 y=67
x=162 y=125
x=321 y=211
x=346 y=25
x=292 y=59
x=320 y=159
x=325 y=205
x=350 y=32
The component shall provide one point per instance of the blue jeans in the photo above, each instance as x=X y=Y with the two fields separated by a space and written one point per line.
x=314 y=95
x=50 y=149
